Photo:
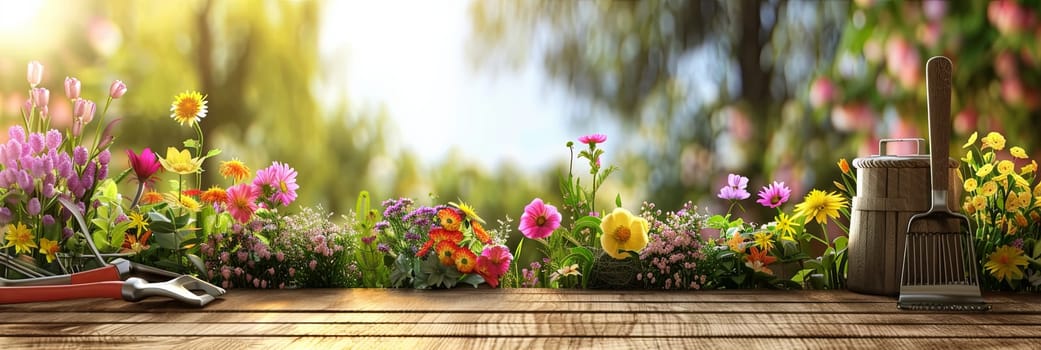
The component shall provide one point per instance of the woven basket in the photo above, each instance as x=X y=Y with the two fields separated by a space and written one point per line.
x=890 y=189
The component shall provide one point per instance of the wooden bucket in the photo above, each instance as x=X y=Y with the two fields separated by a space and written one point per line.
x=890 y=189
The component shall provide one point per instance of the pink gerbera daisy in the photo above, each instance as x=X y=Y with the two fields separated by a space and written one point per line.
x=539 y=219
x=774 y=195
x=277 y=183
x=242 y=202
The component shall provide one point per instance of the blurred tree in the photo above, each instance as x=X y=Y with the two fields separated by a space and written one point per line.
x=710 y=86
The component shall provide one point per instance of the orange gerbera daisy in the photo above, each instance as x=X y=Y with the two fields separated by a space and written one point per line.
x=465 y=260
x=450 y=219
x=151 y=197
x=480 y=233
x=446 y=252
x=235 y=170
x=439 y=234
x=214 y=195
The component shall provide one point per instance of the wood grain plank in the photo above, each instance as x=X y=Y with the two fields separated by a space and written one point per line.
x=418 y=318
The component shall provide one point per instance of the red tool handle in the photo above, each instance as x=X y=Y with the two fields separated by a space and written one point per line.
x=101 y=274
x=32 y=294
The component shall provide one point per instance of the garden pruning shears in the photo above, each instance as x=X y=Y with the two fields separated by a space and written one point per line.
x=107 y=282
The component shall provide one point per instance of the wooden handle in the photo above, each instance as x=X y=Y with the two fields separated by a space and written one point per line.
x=938 y=86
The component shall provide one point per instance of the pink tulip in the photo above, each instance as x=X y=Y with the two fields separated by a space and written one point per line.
x=41 y=97
x=35 y=73
x=84 y=110
x=117 y=89
x=72 y=88
x=77 y=127
x=822 y=92
x=903 y=62
x=965 y=121
x=1012 y=90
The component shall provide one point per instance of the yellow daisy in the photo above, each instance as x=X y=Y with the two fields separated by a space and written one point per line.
x=19 y=237
x=1005 y=263
x=764 y=240
x=972 y=140
x=786 y=226
x=985 y=170
x=1005 y=167
x=180 y=162
x=820 y=205
x=970 y=185
x=468 y=210
x=137 y=222
x=234 y=169
x=994 y=140
x=188 y=107
x=1018 y=152
x=623 y=232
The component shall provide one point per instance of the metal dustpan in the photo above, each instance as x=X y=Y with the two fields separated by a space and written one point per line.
x=939 y=270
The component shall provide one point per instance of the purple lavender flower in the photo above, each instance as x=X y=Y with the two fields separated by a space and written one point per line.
x=36 y=143
x=79 y=155
x=53 y=139
x=735 y=188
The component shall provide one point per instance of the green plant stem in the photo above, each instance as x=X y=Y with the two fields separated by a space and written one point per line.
x=97 y=130
x=516 y=262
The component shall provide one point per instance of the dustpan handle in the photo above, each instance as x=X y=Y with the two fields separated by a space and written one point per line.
x=938 y=87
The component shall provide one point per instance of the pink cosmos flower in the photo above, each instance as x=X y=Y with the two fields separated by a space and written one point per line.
x=735 y=188
x=774 y=195
x=278 y=183
x=242 y=202
x=593 y=139
x=539 y=219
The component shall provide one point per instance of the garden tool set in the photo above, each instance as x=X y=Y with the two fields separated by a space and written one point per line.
x=939 y=268
x=106 y=282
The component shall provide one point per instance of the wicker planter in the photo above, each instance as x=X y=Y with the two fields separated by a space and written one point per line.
x=890 y=189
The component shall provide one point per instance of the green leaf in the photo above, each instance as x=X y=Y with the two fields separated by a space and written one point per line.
x=618 y=200
x=212 y=153
x=472 y=279
x=590 y=222
x=192 y=143
x=718 y=222
x=196 y=261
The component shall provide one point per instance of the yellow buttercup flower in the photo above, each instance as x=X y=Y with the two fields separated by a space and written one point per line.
x=1005 y=167
x=970 y=185
x=1005 y=263
x=188 y=107
x=49 y=248
x=1018 y=152
x=764 y=240
x=972 y=140
x=623 y=232
x=985 y=170
x=989 y=188
x=19 y=237
x=979 y=202
x=820 y=205
x=180 y=162
x=994 y=140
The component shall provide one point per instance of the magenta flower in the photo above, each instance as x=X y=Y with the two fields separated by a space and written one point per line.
x=241 y=202
x=774 y=195
x=539 y=219
x=72 y=88
x=735 y=188
x=493 y=263
x=145 y=165
x=117 y=89
x=593 y=139
x=277 y=183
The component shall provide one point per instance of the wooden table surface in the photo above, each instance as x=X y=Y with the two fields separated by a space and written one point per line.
x=520 y=318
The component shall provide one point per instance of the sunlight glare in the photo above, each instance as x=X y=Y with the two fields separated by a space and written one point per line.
x=16 y=16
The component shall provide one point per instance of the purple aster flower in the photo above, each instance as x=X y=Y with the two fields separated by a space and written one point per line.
x=774 y=195
x=735 y=188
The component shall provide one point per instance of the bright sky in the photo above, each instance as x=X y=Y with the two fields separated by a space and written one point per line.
x=410 y=56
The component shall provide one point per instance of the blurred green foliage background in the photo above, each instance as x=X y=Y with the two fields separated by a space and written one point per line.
x=775 y=90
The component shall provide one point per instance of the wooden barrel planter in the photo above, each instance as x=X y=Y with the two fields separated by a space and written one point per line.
x=890 y=189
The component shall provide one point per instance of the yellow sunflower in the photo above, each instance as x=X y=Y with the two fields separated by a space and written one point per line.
x=188 y=107
x=820 y=205
x=180 y=162
x=19 y=237
x=1005 y=263
x=623 y=232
